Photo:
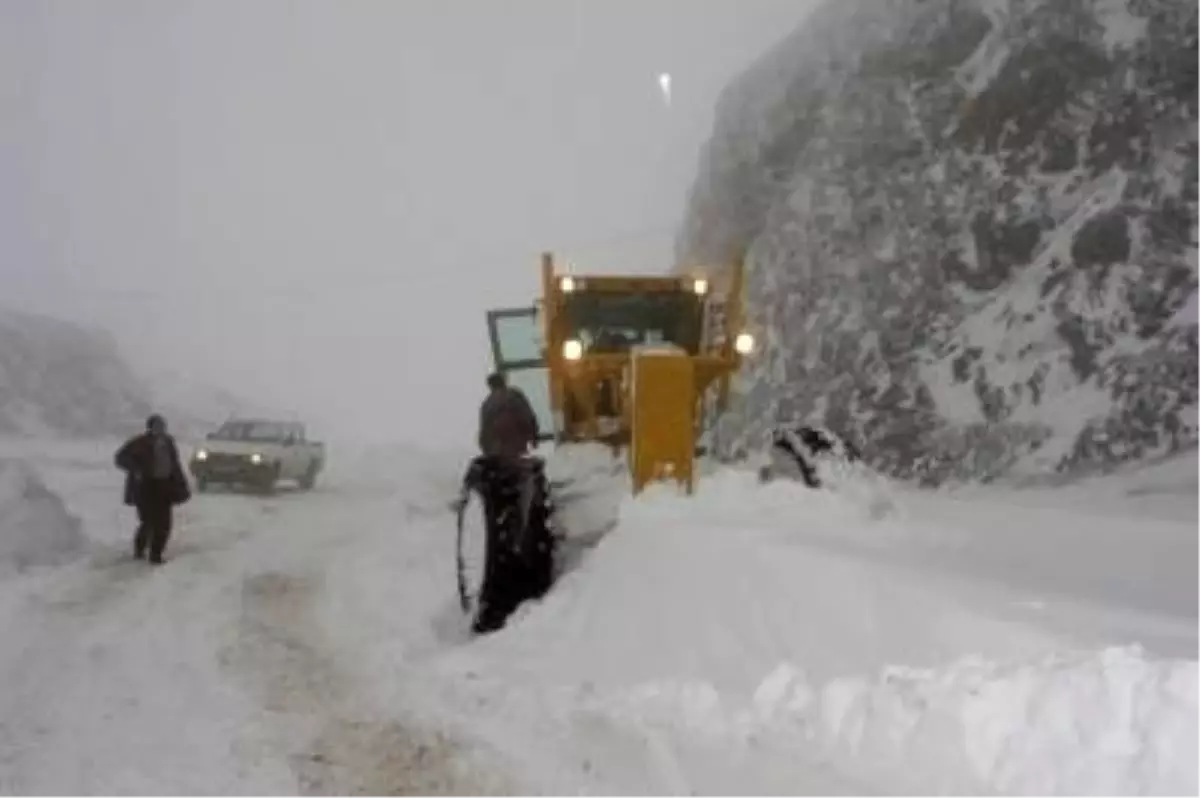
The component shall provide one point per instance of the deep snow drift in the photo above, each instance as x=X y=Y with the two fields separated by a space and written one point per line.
x=749 y=639
x=775 y=638
x=35 y=526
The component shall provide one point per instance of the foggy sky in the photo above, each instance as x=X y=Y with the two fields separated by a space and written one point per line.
x=313 y=203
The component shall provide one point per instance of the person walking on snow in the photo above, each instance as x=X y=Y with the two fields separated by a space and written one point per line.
x=154 y=484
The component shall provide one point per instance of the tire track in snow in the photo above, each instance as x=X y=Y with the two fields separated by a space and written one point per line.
x=108 y=652
x=333 y=742
x=108 y=571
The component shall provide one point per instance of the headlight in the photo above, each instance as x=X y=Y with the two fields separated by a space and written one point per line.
x=201 y=455
x=700 y=286
x=744 y=343
x=256 y=458
x=572 y=349
x=567 y=284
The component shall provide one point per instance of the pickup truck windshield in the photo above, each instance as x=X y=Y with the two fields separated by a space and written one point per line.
x=265 y=431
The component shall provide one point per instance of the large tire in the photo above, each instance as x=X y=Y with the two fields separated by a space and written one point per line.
x=271 y=481
x=505 y=551
x=309 y=480
x=473 y=553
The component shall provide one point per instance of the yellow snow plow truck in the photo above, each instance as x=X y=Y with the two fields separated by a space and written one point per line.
x=640 y=363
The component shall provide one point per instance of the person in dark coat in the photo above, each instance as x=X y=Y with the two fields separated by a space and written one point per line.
x=520 y=556
x=508 y=427
x=154 y=483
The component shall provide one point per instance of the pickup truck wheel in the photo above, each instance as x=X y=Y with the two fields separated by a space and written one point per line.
x=271 y=480
x=310 y=477
x=202 y=484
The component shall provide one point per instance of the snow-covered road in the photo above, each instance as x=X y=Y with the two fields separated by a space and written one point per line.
x=751 y=639
x=209 y=675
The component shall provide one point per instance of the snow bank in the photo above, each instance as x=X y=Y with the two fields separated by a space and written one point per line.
x=35 y=526
x=720 y=586
x=1106 y=722
x=652 y=665
x=735 y=496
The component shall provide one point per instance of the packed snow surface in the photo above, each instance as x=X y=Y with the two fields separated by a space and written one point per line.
x=752 y=638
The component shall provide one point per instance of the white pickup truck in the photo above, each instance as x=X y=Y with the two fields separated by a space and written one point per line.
x=257 y=453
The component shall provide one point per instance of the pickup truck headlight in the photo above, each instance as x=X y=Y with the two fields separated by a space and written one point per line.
x=256 y=458
x=201 y=455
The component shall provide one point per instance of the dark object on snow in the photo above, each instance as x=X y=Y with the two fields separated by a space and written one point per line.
x=798 y=448
x=508 y=427
x=506 y=544
x=154 y=484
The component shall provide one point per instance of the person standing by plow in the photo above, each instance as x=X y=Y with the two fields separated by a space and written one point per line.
x=505 y=513
x=154 y=484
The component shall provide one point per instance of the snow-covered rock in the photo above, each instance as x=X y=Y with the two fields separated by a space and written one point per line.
x=36 y=528
x=62 y=379
x=970 y=231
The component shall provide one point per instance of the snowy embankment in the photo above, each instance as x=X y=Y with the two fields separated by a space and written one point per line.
x=35 y=526
x=769 y=637
x=1112 y=721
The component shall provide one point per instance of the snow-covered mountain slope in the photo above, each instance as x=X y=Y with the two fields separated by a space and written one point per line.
x=58 y=378
x=61 y=378
x=970 y=229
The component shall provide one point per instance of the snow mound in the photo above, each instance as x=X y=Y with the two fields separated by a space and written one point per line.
x=720 y=586
x=581 y=463
x=1105 y=722
x=35 y=526
x=734 y=496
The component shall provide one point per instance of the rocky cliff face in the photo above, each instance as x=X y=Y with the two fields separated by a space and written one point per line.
x=970 y=230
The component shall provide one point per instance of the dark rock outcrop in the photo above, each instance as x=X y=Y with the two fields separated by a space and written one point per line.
x=970 y=228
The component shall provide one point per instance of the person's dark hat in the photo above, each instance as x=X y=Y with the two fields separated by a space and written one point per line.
x=496 y=380
x=155 y=420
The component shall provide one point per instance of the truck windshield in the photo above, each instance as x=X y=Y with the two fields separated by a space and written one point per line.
x=252 y=431
x=613 y=322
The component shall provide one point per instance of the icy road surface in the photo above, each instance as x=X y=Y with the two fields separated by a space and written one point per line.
x=752 y=639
